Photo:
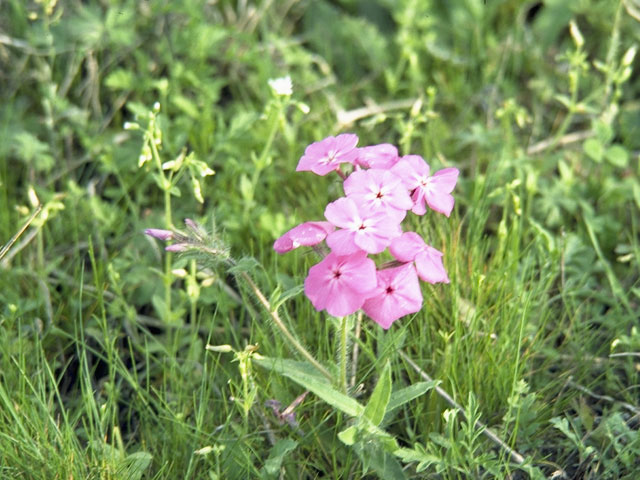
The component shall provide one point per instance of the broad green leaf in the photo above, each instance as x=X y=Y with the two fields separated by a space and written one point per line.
x=138 y=463
x=348 y=435
x=382 y=462
x=305 y=375
x=617 y=155
x=277 y=455
x=594 y=149
x=407 y=394
x=377 y=405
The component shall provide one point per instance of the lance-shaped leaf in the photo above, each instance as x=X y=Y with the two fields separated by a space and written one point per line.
x=304 y=374
x=377 y=405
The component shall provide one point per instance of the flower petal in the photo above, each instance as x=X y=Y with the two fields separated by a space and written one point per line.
x=382 y=156
x=445 y=180
x=398 y=294
x=330 y=283
x=407 y=246
x=430 y=267
x=342 y=213
x=440 y=202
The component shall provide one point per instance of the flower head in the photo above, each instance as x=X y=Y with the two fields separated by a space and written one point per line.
x=397 y=294
x=360 y=228
x=434 y=190
x=379 y=190
x=326 y=155
x=340 y=284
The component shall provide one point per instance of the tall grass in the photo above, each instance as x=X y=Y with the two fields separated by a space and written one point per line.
x=104 y=365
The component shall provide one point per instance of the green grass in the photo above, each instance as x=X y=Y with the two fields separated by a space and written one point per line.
x=104 y=370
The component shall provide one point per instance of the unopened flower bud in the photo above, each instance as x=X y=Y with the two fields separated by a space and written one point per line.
x=163 y=235
x=177 y=247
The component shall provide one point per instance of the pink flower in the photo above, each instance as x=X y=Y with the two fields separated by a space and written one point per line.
x=397 y=294
x=340 y=284
x=307 y=234
x=360 y=229
x=382 y=156
x=434 y=190
x=410 y=247
x=326 y=155
x=378 y=190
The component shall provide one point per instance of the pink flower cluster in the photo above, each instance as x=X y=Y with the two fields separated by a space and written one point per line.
x=380 y=190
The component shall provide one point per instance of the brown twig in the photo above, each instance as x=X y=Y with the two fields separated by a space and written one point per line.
x=562 y=141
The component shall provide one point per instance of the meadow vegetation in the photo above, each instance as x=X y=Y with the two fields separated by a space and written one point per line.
x=119 y=360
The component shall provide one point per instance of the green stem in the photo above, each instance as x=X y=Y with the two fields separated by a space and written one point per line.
x=193 y=270
x=167 y=259
x=271 y=137
x=611 y=54
x=344 y=330
x=166 y=186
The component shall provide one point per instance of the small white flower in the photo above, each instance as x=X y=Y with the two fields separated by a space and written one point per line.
x=281 y=86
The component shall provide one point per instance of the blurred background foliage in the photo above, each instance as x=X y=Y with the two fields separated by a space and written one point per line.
x=534 y=101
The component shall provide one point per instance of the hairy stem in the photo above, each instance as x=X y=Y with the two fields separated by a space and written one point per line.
x=285 y=331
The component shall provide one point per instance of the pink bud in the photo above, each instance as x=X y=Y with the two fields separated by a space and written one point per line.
x=163 y=235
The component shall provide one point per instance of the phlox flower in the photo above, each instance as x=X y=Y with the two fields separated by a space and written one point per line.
x=360 y=228
x=410 y=247
x=435 y=190
x=397 y=294
x=340 y=284
x=307 y=234
x=378 y=190
x=382 y=156
x=326 y=155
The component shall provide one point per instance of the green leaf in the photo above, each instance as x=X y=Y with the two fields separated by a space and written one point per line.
x=377 y=405
x=636 y=193
x=617 y=155
x=594 y=149
x=138 y=463
x=33 y=152
x=305 y=375
x=245 y=264
x=407 y=394
x=185 y=105
x=417 y=454
x=246 y=188
x=160 y=307
x=120 y=79
x=348 y=435
x=277 y=455
x=383 y=463
x=280 y=298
